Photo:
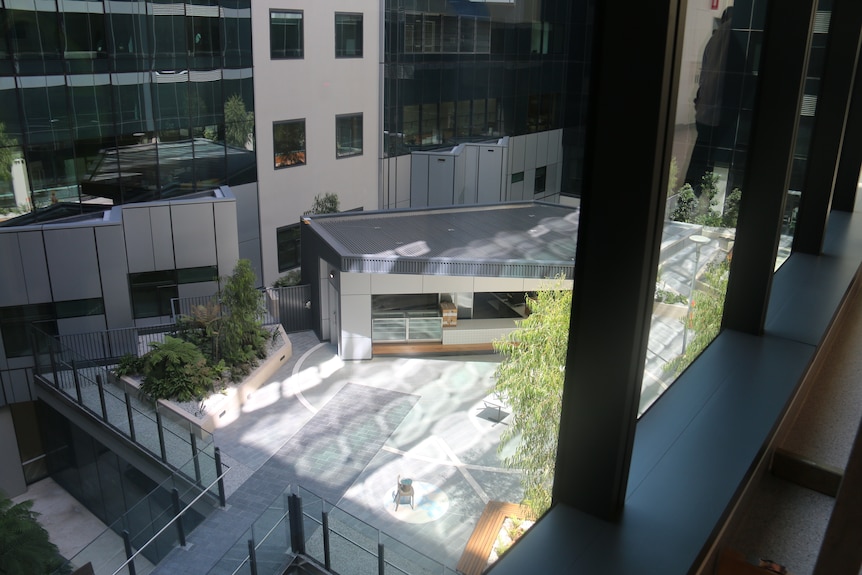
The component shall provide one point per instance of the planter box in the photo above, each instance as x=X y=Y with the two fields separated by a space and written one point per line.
x=223 y=408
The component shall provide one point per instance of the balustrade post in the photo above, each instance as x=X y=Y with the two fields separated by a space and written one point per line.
x=127 y=545
x=197 y=462
x=326 y=546
x=131 y=418
x=102 y=397
x=381 y=563
x=221 y=497
x=77 y=383
x=252 y=557
x=175 y=498
x=161 y=431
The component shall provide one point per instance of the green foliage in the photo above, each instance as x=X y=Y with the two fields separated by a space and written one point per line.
x=201 y=327
x=707 y=309
x=129 y=364
x=176 y=369
x=325 y=204
x=686 y=205
x=24 y=544
x=668 y=296
x=530 y=377
x=8 y=153
x=291 y=278
x=242 y=337
x=238 y=123
x=731 y=208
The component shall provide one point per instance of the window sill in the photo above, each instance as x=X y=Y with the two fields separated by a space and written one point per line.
x=696 y=448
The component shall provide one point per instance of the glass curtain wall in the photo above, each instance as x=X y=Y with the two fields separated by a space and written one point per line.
x=718 y=80
x=467 y=71
x=122 y=101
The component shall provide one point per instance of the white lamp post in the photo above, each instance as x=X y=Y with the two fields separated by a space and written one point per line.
x=698 y=242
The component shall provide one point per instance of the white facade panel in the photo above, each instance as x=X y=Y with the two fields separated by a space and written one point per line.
x=402 y=178
x=446 y=284
x=555 y=146
x=481 y=284
x=355 y=284
x=517 y=148
x=395 y=283
x=32 y=245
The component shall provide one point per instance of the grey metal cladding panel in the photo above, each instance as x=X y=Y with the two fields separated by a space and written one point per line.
x=471 y=174
x=460 y=191
x=110 y=244
x=13 y=288
x=73 y=263
x=227 y=240
x=490 y=182
x=418 y=180
x=517 y=149
x=139 y=239
x=194 y=235
x=441 y=180
x=163 y=241
x=542 y=149
x=32 y=245
x=247 y=212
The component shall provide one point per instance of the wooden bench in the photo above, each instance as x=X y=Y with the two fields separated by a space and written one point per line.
x=474 y=559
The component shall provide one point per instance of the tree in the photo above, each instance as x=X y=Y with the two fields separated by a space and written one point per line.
x=530 y=378
x=8 y=153
x=242 y=336
x=238 y=123
x=704 y=320
x=24 y=544
x=686 y=205
x=325 y=204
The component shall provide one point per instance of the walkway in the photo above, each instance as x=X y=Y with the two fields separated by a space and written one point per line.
x=346 y=430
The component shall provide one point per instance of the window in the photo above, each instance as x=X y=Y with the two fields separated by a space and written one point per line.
x=197 y=275
x=152 y=293
x=348 y=35
x=15 y=325
x=288 y=143
x=287 y=243
x=517 y=177
x=348 y=135
x=285 y=34
x=541 y=180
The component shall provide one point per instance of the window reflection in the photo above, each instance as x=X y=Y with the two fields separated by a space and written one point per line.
x=717 y=82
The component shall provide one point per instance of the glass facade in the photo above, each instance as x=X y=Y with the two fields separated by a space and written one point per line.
x=125 y=100
x=460 y=71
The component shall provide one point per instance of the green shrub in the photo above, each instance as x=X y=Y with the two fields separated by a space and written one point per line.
x=129 y=364
x=176 y=369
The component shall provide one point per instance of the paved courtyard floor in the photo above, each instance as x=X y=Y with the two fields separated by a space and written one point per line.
x=345 y=431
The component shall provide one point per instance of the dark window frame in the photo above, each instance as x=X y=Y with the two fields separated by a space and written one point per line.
x=296 y=155
x=283 y=52
x=350 y=120
x=289 y=238
x=351 y=20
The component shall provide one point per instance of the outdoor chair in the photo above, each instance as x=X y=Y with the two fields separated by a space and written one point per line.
x=403 y=489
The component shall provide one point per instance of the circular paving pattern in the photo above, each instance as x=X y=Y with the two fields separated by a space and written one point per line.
x=429 y=504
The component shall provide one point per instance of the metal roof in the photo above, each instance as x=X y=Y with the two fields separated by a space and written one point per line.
x=530 y=239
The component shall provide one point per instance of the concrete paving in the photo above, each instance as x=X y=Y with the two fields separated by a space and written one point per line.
x=346 y=431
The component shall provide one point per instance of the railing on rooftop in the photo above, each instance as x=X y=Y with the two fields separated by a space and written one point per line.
x=301 y=524
x=92 y=385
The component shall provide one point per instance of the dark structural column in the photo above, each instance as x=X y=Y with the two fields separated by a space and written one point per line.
x=628 y=155
x=850 y=163
x=783 y=64
x=842 y=51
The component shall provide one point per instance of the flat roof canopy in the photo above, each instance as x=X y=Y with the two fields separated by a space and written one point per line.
x=524 y=239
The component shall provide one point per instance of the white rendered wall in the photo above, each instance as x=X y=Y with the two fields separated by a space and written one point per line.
x=317 y=88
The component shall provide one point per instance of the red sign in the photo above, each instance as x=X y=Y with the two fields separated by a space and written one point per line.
x=715 y=4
